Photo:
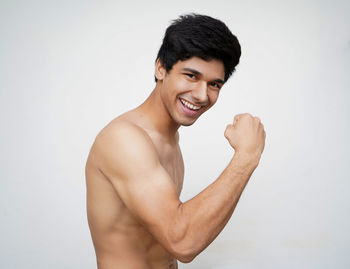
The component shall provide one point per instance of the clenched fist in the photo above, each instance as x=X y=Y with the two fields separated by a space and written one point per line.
x=246 y=135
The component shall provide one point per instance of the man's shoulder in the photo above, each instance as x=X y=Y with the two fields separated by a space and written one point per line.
x=119 y=127
x=122 y=131
x=123 y=138
x=122 y=148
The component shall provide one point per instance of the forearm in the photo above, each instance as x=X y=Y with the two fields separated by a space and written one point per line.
x=205 y=215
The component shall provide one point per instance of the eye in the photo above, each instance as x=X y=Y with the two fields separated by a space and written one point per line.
x=191 y=76
x=215 y=85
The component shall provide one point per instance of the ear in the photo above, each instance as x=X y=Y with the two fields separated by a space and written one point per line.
x=160 y=70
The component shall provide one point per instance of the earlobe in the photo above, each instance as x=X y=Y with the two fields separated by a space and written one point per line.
x=159 y=70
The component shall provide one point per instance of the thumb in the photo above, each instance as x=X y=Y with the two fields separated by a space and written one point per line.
x=228 y=131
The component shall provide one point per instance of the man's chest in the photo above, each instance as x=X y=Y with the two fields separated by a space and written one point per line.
x=171 y=160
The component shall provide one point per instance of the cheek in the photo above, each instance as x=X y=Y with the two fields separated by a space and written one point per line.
x=182 y=85
x=213 y=96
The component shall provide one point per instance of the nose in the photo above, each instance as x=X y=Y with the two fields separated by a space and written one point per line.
x=199 y=93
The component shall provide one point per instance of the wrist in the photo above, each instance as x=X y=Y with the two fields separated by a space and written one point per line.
x=246 y=159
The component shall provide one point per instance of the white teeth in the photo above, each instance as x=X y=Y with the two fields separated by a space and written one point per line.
x=190 y=106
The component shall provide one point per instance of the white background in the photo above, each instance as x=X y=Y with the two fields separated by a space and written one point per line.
x=69 y=67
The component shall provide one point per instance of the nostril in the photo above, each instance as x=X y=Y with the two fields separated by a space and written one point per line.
x=200 y=94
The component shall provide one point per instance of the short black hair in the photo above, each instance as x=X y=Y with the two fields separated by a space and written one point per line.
x=201 y=36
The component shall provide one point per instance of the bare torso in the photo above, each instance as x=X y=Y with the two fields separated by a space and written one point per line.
x=120 y=241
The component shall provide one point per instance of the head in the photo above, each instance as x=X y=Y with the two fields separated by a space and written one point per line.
x=196 y=58
x=201 y=36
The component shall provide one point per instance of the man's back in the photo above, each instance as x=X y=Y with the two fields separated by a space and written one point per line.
x=120 y=240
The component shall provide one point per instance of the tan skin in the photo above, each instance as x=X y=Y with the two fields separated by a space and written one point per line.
x=135 y=171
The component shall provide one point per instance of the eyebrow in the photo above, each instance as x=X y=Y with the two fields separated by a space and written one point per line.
x=194 y=71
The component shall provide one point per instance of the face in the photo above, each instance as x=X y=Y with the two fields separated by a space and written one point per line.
x=190 y=88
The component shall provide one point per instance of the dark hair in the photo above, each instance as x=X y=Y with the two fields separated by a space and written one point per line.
x=201 y=36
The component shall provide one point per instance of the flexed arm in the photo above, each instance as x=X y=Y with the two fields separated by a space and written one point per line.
x=129 y=159
x=207 y=213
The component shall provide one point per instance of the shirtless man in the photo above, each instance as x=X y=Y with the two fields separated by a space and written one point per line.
x=135 y=170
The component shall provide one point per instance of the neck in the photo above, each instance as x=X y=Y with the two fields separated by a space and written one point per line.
x=159 y=119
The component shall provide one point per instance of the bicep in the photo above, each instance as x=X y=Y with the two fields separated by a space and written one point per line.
x=131 y=163
x=150 y=196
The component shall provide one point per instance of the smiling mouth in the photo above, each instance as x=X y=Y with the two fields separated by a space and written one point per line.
x=189 y=105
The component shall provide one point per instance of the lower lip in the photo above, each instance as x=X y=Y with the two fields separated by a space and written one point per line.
x=188 y=112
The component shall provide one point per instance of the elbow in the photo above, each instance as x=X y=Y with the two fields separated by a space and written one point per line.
x=186 y=259
x=182 y=244
x=184 y=249
x=184 y=254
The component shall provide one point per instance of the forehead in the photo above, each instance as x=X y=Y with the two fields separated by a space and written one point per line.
x=212 y=69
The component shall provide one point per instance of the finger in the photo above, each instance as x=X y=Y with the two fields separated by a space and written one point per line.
x=238 y=116
x=228 y=130
x=261 y=126
x=257 y=119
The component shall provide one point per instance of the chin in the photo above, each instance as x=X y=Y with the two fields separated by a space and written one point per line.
x=186 y=123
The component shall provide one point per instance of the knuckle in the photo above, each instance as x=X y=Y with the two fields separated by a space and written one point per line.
x=228 y=127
